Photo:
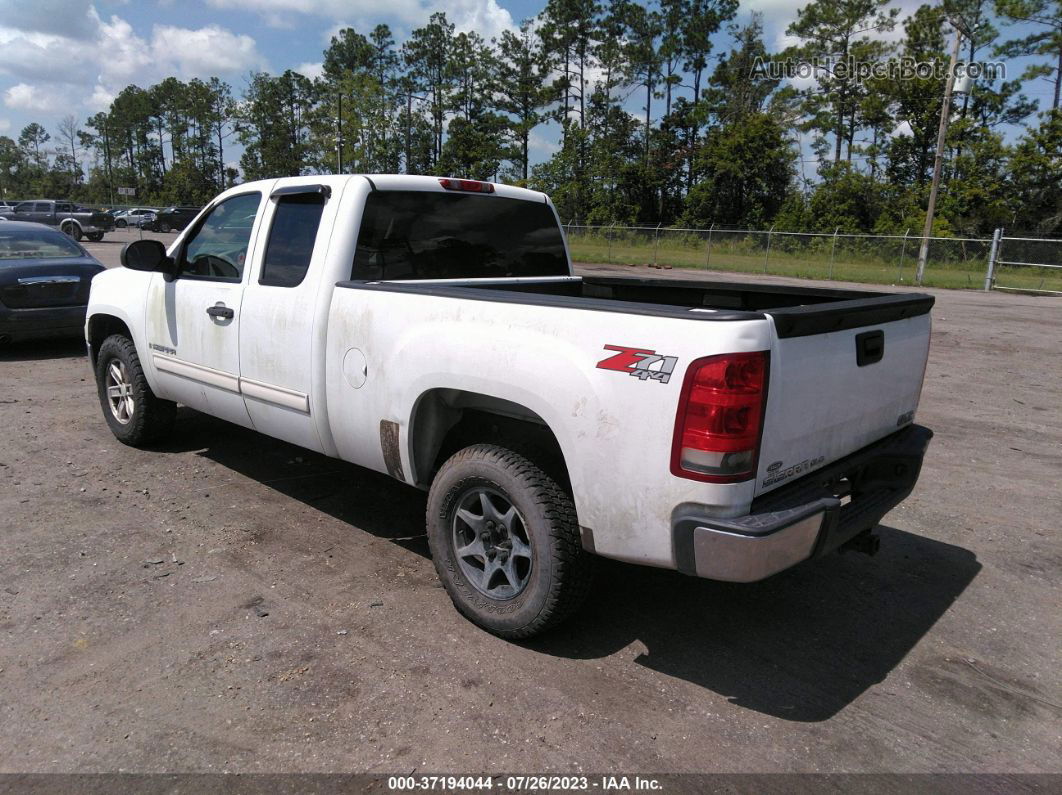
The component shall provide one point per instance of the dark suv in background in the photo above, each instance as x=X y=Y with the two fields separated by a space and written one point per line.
x=172 y=219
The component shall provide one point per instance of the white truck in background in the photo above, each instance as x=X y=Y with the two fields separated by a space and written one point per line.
x=433 y=329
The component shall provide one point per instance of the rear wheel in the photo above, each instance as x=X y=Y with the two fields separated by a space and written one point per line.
x=505 y=542
x=73 y=231
x=164 y=227
x=135 y=416
x=95 y=237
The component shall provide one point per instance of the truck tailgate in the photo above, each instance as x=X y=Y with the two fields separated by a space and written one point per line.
x=842 y=375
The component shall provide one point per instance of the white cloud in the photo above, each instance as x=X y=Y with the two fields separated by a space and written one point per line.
x=542 y=146
x=101 y=99
x=60 y=73
x=206 y=51
x=485 y=17
x=23 y=96
x=312 y=70
x=5 y=125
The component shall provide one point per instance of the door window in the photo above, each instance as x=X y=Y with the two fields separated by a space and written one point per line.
x=217 y=249
x=291 y=239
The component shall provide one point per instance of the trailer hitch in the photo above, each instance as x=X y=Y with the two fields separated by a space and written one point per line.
x=866 y=542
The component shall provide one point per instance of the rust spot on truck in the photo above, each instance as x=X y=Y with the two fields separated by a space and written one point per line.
x=389 y=446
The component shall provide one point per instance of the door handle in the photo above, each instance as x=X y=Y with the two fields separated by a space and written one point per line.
x=220 y=311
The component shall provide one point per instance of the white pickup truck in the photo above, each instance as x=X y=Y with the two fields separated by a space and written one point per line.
x=433 y=329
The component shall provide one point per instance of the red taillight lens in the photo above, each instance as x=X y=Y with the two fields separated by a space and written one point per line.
x=720 y=418
x=467 y=185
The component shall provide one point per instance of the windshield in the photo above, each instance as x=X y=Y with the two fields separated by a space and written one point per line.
x=33 y=244
x=429 y=235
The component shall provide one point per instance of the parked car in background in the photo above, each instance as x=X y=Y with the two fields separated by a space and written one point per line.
x=172 y=219
x=6 y=207
x=73 y=221
x=136 y=216
x=44 y=282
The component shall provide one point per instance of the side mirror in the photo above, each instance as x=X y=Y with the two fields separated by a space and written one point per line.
x=147 y=255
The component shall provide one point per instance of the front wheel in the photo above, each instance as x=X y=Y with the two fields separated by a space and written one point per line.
x=73 y=231
x=95 y=237
x=121 y=223
x=164 y=227
x=505 y=542
x=135 y=416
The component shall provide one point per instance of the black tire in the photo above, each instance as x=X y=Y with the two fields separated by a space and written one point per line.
x=95 y=237
x=73 y=231
x=150 y=418
x=560 y=571
x=164 y=227
x=121 y=223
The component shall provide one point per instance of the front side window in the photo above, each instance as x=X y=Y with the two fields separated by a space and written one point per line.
x=218 y=247
x=433 y=235
x=291 y=239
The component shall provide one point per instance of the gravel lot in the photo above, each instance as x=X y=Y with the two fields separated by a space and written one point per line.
x=228 y=602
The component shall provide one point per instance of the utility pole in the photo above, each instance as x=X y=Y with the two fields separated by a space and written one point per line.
x=339 y=133
x=945 y=116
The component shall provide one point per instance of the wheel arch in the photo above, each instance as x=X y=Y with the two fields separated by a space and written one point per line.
x=99 y=327
x=445 y=420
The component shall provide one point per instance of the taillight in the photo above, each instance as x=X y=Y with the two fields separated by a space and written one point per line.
x=467 y=185
x=720 y=418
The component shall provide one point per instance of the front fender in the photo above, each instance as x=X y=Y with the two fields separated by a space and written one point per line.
x=121 y=294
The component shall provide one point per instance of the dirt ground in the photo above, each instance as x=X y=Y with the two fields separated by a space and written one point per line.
x=228 y=602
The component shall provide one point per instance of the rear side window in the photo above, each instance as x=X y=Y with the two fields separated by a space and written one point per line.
x=291 y=239
x=429 y=235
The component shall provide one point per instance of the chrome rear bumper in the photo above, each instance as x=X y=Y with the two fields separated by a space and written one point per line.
x=804 y=519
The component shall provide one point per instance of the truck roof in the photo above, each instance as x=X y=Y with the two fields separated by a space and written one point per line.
x=399 y=182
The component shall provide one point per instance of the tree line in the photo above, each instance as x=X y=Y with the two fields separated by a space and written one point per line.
x=717 y=137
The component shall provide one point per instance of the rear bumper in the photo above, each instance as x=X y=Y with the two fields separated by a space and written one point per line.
x=805 y=519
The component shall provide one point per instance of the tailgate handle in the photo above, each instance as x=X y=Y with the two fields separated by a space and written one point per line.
x=870 y=347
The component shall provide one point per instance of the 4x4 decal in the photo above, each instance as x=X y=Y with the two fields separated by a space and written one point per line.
x=639 y=362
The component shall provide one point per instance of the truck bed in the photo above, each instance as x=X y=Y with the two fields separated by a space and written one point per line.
x=796 y=311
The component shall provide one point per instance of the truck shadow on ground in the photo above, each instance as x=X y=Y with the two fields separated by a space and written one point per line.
x=356 y=496
x=800 y=646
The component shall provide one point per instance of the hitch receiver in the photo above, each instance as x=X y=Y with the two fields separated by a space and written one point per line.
x=866 y=542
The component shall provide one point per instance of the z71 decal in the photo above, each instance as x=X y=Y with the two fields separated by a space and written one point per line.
x=639 y=362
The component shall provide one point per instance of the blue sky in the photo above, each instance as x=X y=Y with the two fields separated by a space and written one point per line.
x=60 y=57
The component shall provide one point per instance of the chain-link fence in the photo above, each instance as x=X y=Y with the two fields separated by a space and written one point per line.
x=878 y=259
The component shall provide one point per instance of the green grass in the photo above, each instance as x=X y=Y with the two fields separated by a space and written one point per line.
x=868 y=261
